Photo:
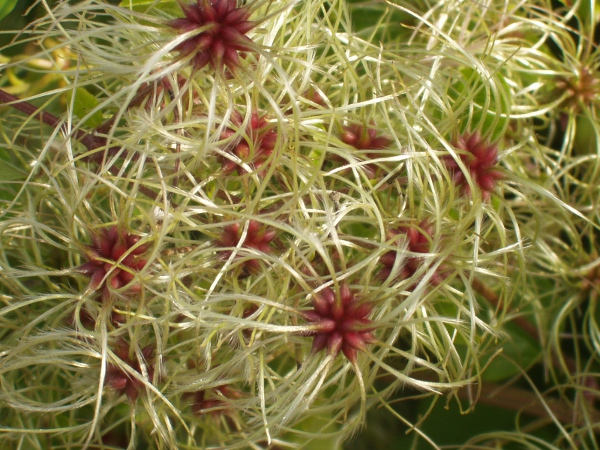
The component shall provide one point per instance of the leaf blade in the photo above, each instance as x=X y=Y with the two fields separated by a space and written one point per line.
x=6 y=7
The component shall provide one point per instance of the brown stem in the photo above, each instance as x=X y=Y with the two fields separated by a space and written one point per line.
x=522 y=400
x=90 y=141
x=528 y=402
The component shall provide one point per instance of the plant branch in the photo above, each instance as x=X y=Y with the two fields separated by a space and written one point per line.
x=524 y=400
x=90 y=141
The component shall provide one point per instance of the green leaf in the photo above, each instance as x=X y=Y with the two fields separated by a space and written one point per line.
x=9 y=173
x=82 y=105
x=144 y=5
x=6 y=6
x=586 y=136
x=447 y=424
x=134 y=3
x=519 y=351
x=321 y=428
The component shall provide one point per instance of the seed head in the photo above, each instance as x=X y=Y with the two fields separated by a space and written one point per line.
x=121 y=380
x=212 y=401
x=106 y=271
x=480 y=158
x=224 y=27
x=582 y=89
x=339 y=323
x=257 y=237
x=418 y=241
x=255 y=147
x=364 y=138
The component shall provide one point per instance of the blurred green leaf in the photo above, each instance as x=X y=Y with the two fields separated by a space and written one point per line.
x=82 y=105
x=9 y=173
x=519 y=352
x=448 y=425
x=144 y=5
x=378 y=19
x=6 y=6
x=586 y=135
x=322 y=430
x=134 y=3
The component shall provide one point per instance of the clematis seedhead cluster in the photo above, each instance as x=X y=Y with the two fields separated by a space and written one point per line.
x=122 y=379
x=114 y=258
x=218 y=30
x=340 y=323
x=253 y=147
x=247 y=223
x=257 y=238
x=480 y=158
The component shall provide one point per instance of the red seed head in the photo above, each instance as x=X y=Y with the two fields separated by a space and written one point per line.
x=120 y=379
x=254 y=147
x=365 y=139
x=257 y=237
x=581 y=88
x=480 y=159
x=223 y=28
x=418 y=240
x=113 y=258
x=339 y=323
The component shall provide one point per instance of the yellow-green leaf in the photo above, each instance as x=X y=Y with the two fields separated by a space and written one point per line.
x=144 y=5
x=83 y=104
x=6 y=6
